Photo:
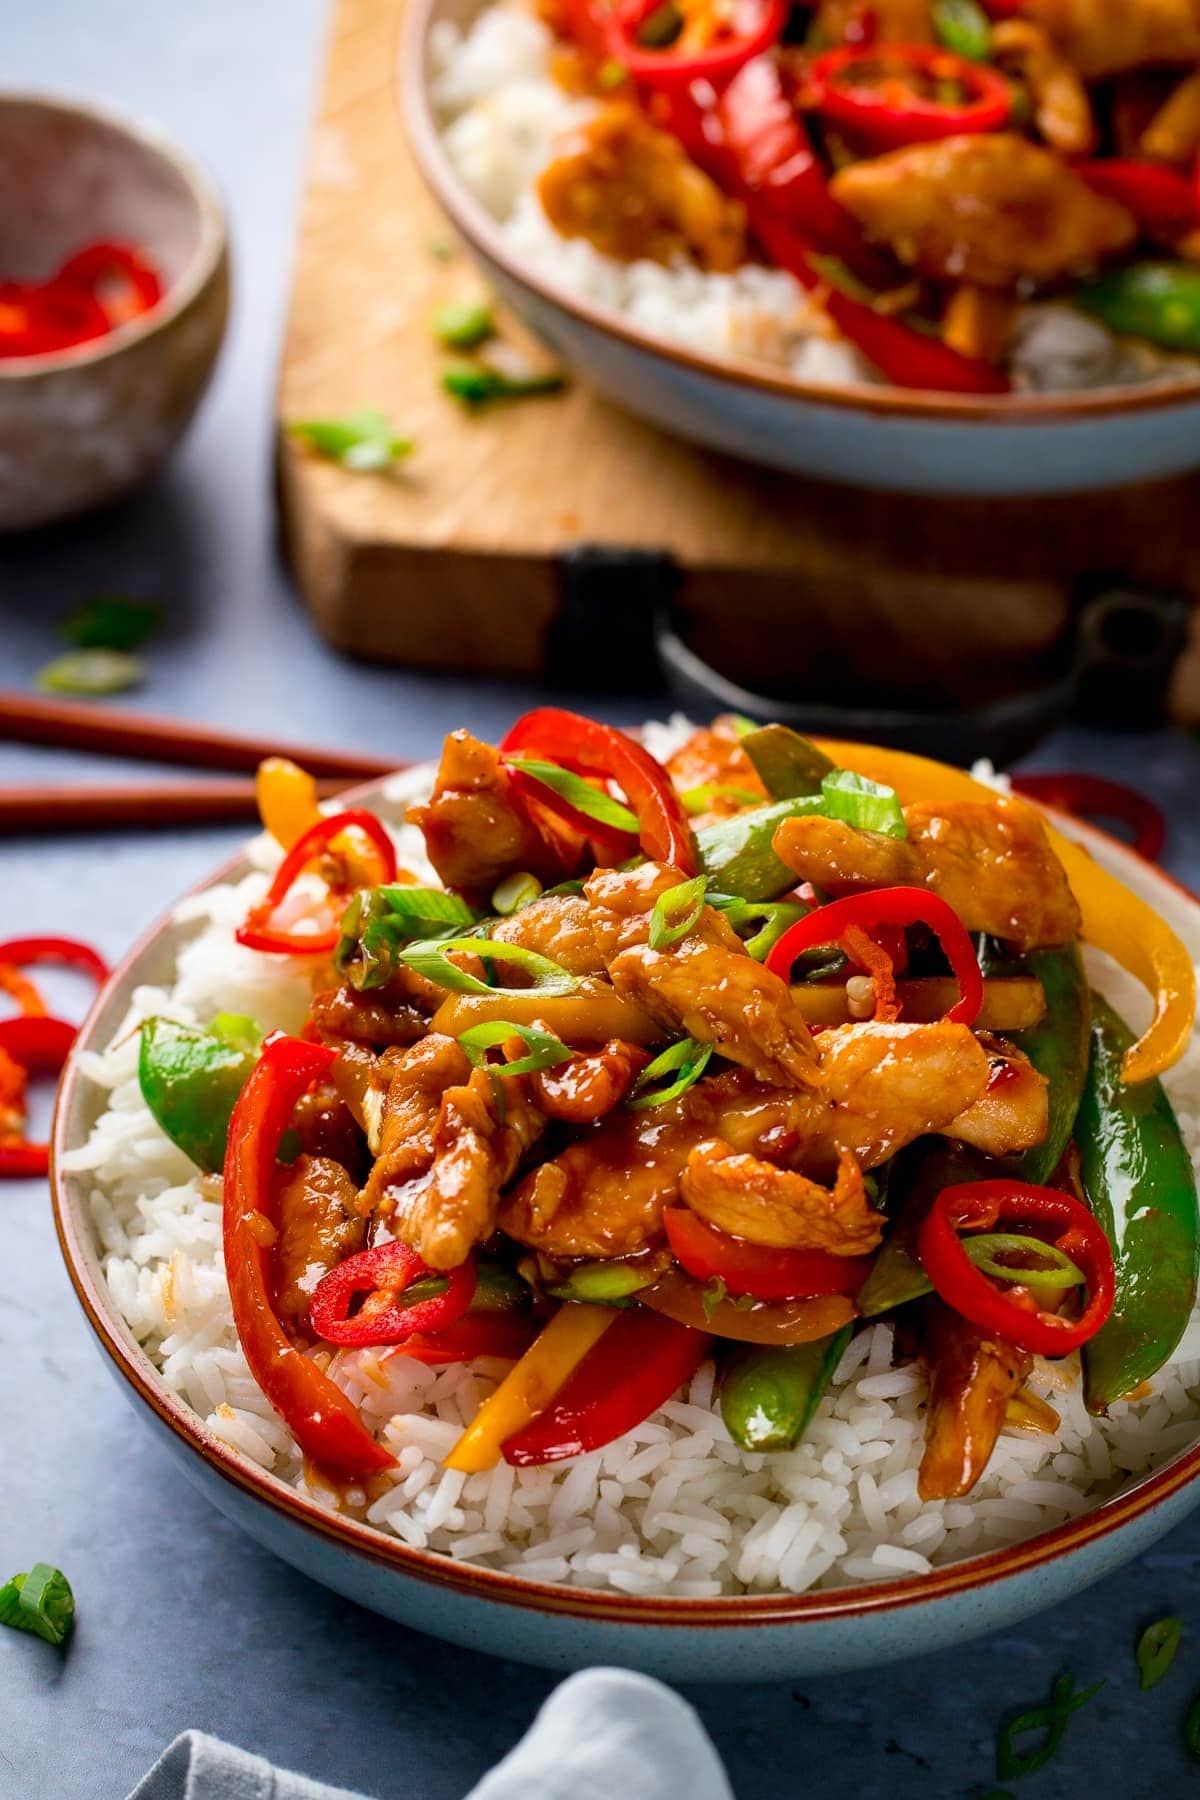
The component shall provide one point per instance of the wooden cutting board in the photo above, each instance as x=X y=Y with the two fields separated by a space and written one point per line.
x=456 y=562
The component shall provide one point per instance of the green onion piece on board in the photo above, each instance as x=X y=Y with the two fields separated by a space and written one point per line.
x=1011 y=1763
x=463 y=324
x=1156 y=1649
x=964 y=27
x=514 y=892
x=475 y=385
x=432 y=959
x=363 y=441
x=675 y=912
x=865 y=804
x=545 y=1050
x=687 y=1060
x=91 y=673
x=586 y=799
x=41 y=1602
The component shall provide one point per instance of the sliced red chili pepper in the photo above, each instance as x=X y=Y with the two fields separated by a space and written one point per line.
x=26 y=952
x=37 y=321
x=315 y=1410
x=890 y=906
x=1163 y=202
x=383 y=1274
x=638 y=1364
x=711 y=1255
x=508 y=1335
x=749 y=28
x=889 y=95
x=1093 y=797
x=581 y=744
x=257 y=932
x=1013 y=1314
x=538 y=799
x=32 y=1043
x=118 y=277
x=907 y=358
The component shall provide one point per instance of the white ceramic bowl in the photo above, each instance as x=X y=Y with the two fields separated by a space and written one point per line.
x=881 y=437
x=745 y=1638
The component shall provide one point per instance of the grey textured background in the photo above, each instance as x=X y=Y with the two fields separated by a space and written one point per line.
x=182 y=1621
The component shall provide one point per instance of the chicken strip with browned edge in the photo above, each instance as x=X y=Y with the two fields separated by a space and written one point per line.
x=990 y=860
x=319 y=1226
x=778 y=1208
x=972 y=1378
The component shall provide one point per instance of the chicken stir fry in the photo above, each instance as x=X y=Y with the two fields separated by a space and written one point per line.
x=644 y=1074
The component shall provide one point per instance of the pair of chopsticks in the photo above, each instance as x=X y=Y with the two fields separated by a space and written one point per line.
x=63 y=725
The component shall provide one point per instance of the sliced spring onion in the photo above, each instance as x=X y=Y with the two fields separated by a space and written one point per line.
x=687 y=1057
x=90 y=672
x=545 y=1050
x=363 y=441
x=611 y=74
x=514 y=892
x=578 y=793
x=602 y=1283
x=964 y=27
x=1055 y=1270
x=867 y=805
x=475 y=385
x=676 y=911
x=377 y=923
x=463 y=324
x=775 y=917
x=1156 y=1649
x=1012 y=1763
x=426 y=905
x=703 y=798
x=41 y=1602
x=111 y=622
x=432 y=959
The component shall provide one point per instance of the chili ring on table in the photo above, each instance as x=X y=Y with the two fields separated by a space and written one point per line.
x=720 y=1058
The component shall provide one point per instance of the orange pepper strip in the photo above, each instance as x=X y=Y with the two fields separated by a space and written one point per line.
x=22 y=990
x=287 y=799
x=1114 y=919
x=529 y=1387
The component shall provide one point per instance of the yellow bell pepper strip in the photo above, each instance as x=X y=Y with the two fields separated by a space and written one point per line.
x=287 y=799
x=1114 y=919
x=531 y=1385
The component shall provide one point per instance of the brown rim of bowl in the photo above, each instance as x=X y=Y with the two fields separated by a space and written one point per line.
x=730 y=1610
x=207 y=257
x=479 y=229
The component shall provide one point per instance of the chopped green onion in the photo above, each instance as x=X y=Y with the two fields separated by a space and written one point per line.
x=475 y=385
x=1191 y=1727
x=377 y=923
x=602 y=1283
x=865 y=804
x=1011 y=1763
x=676 y=911
x=41 y=1602
x=586 y=799
x=776 y=917
x=611 y=74
x=432 y=959
x=90 y=672
x=714 y=1292
x=463 y=324
x=1156 y=1649
x=426 y=905
x=545 y=1050
x=428 y=1288
x=516 y=891
x=687 y=1056
x=963 y=26
x=702 y=799
x=363 y=441
x=742 y=725
x=1054 y=1271
x=110 y=622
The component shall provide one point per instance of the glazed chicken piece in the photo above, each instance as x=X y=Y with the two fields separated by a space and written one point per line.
x=1013 y=1114
x=713 y=758
x=632 y=192
x=396 y=1014
x=876 y=21
x=475 y=831
x=755 y=1200
x=319 y=1226
x=890 y=1083
x=1061 y=108
x=991 y=860
x=972 y=1378
x=1105 y=37
x=590 y=1085
x=990 y=209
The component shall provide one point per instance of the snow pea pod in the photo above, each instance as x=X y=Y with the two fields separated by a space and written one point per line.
x=1058 y=1047
x=1137 y=1177
x=736 y=853
x=191 y=1079
x=769 y=1396
x=1158 y=301
x=786 y=763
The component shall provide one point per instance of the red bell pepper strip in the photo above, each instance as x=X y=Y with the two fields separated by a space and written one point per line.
x=116 y=276
x=257 y=934
x=888 y=95
x=1164 y=203
x=1091 y=797
x=1013 y=1314
x=890 y=906
x=319 y=1416
x=637 y=1365
x=32 y=1043
x=581 y=744
x=538 y=799
x=27 y=951
x=507 y=1335
x=752 y=27
x=906 y=357
x=711 y=1255
x=383 y=1274
x=38 y=321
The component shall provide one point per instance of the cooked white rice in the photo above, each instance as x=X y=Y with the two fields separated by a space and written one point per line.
x=502 y=112
x=675 y=1505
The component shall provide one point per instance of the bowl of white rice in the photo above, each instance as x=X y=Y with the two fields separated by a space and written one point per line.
x=746 y=362
x=670 y=1550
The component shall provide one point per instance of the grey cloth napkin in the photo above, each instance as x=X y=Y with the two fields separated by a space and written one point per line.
x=601 y=1733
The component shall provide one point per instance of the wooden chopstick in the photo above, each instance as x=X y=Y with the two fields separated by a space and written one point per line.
x=92 y=807
x=70 y=725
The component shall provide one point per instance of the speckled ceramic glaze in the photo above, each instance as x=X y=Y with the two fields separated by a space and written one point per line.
x=83 y=426
x=892 y=438
x=758 y=1638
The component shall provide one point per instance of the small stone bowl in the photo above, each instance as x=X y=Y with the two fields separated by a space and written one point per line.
x=80 y=427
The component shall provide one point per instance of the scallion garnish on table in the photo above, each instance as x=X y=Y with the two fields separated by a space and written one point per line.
x=1156 y=1649
x=362 y=441
x=1012 y=1763
x=41 y=1602
x=463 y=324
